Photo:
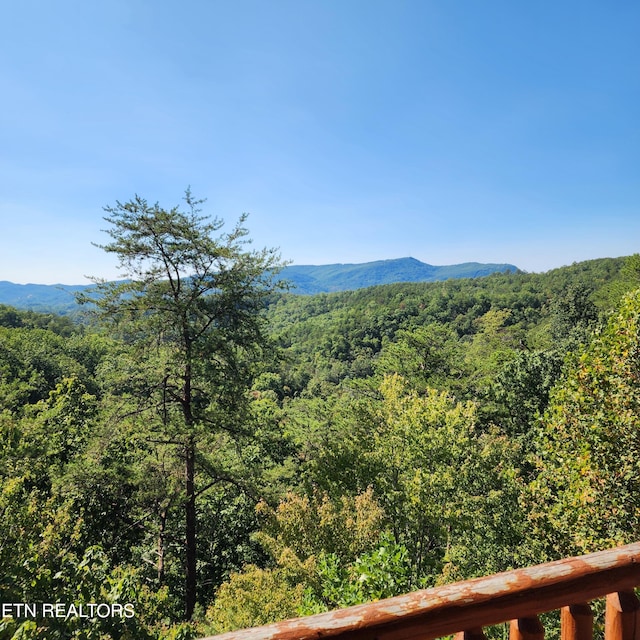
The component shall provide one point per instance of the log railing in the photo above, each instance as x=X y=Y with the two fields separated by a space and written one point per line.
x=464 y=608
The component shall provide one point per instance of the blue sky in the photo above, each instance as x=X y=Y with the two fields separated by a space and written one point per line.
x=350 y=130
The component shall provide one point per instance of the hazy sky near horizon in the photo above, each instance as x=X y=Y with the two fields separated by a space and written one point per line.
x=350 y=130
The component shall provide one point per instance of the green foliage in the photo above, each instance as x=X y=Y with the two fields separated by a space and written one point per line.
x=493 y=344
x=410 y=446
x=438 y=478
x=573 y=316
x=522 y=387
x=430 y=355
x=34 y=361
x=302 y=527
x=328 y=554
x=308 y=279
x=13 y=319
x=585 y=496
x=380 y=573
x=409 y=435
x=627 y=281
x=254 y=597
x=226 y=519
x=330 y=339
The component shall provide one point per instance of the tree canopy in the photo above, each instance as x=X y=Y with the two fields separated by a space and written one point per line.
x=218 y=453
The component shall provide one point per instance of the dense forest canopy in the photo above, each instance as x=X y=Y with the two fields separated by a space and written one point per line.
x=317 y=451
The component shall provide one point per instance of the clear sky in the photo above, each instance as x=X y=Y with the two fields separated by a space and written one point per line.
x=350 y=130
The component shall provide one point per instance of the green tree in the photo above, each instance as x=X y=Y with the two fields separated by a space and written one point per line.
x=495 y=343
x=628 y=280
x=449 y=489
x=426 y=356
x=410 y=448
x=191 y=309
x=573 y=316
x=586 y=494
x=254 y=597
x=521 y=389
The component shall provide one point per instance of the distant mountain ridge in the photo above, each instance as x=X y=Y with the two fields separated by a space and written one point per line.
x=310 y=279
x=40 y=297
x=305 y=280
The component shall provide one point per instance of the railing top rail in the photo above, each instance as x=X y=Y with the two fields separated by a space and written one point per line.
x=441 y=611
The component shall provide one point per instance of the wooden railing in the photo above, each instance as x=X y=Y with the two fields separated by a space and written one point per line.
x=464 y=608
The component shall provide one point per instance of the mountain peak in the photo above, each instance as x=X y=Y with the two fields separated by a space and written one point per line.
x=310 y=279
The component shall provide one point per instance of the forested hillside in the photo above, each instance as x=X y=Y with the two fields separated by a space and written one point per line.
x=302 y=279
x=312 y=279
x=346 y=446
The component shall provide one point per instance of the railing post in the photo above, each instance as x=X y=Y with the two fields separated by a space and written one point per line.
x=576 y=622
x=621 y=617
x=526 y=629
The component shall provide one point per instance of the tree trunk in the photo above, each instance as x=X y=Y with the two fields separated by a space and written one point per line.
x=162 y=545
x=190 y=528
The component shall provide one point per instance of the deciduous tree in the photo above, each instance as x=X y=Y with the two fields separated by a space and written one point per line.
x=586 y=494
